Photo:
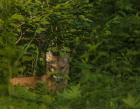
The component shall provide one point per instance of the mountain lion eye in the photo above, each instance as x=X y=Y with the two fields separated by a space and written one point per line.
x=62 y=67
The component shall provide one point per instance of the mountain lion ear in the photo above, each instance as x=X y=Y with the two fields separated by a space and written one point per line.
x=49 y=56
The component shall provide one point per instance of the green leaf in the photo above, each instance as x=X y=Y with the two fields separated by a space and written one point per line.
x=82 y=17
x=130 y=101
x=72 y=93
x=17 y=17
x=40 y=30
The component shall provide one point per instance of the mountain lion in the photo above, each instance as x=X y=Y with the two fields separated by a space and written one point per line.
x=56 y=76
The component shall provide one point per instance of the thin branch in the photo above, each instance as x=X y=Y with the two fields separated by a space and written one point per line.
x=19 y=38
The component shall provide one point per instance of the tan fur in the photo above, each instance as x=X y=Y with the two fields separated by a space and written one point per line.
x=54 y=63
x=24 y=81
x=28 y=81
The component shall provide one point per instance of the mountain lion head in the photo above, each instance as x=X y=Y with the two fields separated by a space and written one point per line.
x=57 y=70
x=57 y=65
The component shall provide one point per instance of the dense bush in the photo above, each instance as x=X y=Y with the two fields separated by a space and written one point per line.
x=101 y=36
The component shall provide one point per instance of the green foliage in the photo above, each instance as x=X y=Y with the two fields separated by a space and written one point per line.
x=72 y=93
x=131 y=102
x=101 y=36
